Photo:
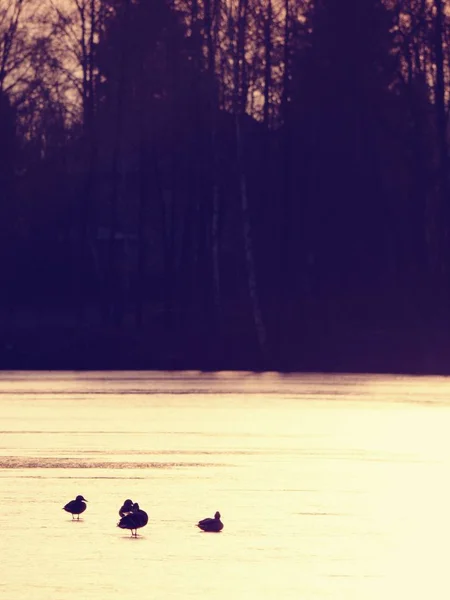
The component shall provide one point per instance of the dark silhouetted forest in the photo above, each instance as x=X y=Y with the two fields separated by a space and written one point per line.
x=225 y=184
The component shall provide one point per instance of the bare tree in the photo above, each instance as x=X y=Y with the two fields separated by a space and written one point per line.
x=286 y=209
x=11 y=40
x=23 y=30
x=268 y=45
x=440 y=93
x=240 y=96
x=212 y=15
x=114 y=284
x=76 y=30
x=143 y=198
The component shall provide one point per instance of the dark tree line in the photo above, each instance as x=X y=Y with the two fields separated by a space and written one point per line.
x=225 y=183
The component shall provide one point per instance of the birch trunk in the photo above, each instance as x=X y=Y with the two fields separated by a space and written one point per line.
x=441 y=132
x=285 y=229
x=268 y=64
x=114 y=282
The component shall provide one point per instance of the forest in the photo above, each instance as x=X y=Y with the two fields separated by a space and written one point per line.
x=225 y=184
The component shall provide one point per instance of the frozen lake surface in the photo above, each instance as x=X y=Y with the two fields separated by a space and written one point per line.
x=331 y=487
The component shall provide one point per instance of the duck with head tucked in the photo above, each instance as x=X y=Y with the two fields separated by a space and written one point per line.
x=76 y=507
x=213 y=525
x=134 y=520
x=126 y=508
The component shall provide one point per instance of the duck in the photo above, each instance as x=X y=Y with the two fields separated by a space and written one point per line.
x=126 y=508
x=134 y=520
x=214 y=525
x=76 y=507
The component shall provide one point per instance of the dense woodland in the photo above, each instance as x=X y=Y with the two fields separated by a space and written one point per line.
x=256 y=184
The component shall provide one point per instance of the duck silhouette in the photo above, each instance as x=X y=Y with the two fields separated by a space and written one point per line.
x=76 y=507
x=126 y=508
x=134 y=520
x=214 y=525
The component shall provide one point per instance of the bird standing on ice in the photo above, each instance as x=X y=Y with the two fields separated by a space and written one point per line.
x=76 y=507
x=209 y=524
x=134 y=520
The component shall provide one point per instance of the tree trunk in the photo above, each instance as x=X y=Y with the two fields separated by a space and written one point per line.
x=114 y=281
x=268 y=64
x=142 y=214
x=239 y=106
x=285 y=249
x=441 y=133
x=215 y=218
x=287 y=151
x=89 y=27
